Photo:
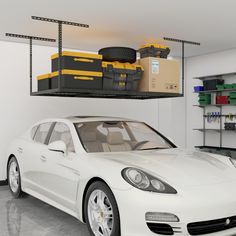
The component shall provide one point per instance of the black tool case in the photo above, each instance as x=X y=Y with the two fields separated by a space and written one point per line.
x=71 y=79
x=121 y=76
x=211 y=84
x=77 y=61
x=154 y=50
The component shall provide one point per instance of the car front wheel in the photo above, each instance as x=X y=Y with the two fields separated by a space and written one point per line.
x=14 y=179
x=101 y=211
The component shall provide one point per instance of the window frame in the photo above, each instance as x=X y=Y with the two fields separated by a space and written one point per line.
x=52 y=129
x=48 y=133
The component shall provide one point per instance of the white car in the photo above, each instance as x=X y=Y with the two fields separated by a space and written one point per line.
x=122 y=177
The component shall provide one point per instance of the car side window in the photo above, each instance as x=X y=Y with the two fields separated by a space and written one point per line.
x=61 y=132
x=42 y=132
x=33 y=131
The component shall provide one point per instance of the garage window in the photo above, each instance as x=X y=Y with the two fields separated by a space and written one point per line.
x=42 y=132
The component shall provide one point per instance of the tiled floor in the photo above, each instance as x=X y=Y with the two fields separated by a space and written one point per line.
x=31 y=217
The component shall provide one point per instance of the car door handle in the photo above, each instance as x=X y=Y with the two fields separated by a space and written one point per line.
x=43 y=158
x=20 y=150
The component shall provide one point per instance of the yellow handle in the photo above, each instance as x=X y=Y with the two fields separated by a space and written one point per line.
x=84 y=60
x=83 y=78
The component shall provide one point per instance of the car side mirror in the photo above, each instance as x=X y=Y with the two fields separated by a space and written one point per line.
x=58 y=146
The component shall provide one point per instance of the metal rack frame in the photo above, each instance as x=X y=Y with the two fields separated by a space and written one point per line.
x=220 y=107
x=60 y=91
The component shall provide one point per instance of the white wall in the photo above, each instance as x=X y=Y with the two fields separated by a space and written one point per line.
x=216 y=63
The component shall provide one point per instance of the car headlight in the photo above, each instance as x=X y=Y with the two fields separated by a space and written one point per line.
x=141 y=180
x=233 y=161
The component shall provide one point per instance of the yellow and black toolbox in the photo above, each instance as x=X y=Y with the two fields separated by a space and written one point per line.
x=154 y=50
x=71 y=79
x=121 y=76
x=77 y=61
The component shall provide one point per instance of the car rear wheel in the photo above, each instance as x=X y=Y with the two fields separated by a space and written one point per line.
x=101 y=211
x=14 y=179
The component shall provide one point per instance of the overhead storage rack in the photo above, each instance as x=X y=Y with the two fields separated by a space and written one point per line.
x=65 y=92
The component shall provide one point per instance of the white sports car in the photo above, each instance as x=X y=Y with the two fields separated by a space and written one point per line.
x=122 y=177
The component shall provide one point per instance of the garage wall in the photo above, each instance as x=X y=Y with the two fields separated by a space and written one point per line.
x=19 y=110
x=216 y=63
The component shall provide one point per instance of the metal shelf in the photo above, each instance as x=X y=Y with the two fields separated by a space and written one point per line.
x=62 y=92
x=214 y=76
x=217 y=91
x=104 y=94
x=215 y=130
x=215 y=105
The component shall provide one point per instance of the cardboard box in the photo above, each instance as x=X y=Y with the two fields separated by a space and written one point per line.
x=160 y=75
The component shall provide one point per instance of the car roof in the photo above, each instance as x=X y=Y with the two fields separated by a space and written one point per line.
x=77 y=119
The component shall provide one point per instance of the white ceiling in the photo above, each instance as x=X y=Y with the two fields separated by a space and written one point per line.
x=126 y=22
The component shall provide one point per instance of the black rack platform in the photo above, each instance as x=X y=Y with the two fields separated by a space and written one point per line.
x=104 y=94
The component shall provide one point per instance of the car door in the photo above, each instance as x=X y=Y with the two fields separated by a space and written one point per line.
x=33 y=161
x=60 y=177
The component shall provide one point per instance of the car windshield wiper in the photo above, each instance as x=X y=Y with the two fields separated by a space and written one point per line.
x=144 y=149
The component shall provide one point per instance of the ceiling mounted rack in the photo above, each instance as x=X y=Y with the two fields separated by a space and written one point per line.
x=62 y=92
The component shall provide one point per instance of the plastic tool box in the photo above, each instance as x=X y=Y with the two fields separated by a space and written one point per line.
x=73 y=79
x=212 y=83
x=222 y=99
x=198 y=88
x=78 y=61
x=121 y=76
x=230 y=126
x=154 y=50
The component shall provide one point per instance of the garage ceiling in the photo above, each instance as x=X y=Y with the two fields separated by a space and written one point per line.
x=126 y=22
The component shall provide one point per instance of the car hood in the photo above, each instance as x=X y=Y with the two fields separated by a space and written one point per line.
x=177 y=167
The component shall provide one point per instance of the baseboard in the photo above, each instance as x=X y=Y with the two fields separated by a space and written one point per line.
x=3 y=182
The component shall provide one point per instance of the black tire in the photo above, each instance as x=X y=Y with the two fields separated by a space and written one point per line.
x=121 y=54
x=116 y=218
x=18 y=193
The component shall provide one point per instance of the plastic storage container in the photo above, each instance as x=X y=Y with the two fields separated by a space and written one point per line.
x=222 y=99
x=78 y=61
x=204 y=99
x=212 y=83
x=154 y=50
x=71 y=79
x=230 y=126
x=198 y=88
x=121 y=76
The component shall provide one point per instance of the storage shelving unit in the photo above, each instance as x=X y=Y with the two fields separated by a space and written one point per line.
x=62 y=92
x=220 y=130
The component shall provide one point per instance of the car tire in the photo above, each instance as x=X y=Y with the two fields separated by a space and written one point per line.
x=101 y=210
x=14 y=178
x=120 y=54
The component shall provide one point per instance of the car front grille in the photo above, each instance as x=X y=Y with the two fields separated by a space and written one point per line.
x=212 y=226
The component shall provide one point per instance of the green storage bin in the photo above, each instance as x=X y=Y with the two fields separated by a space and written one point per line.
x=228 y=86
x=220 y=87
x=232 y=95
x=232 y=101
x=204 y=102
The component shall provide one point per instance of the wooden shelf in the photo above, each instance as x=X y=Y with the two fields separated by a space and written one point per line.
x=88 y=93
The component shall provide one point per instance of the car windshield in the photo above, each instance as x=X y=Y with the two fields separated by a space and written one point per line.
x=119 y=136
